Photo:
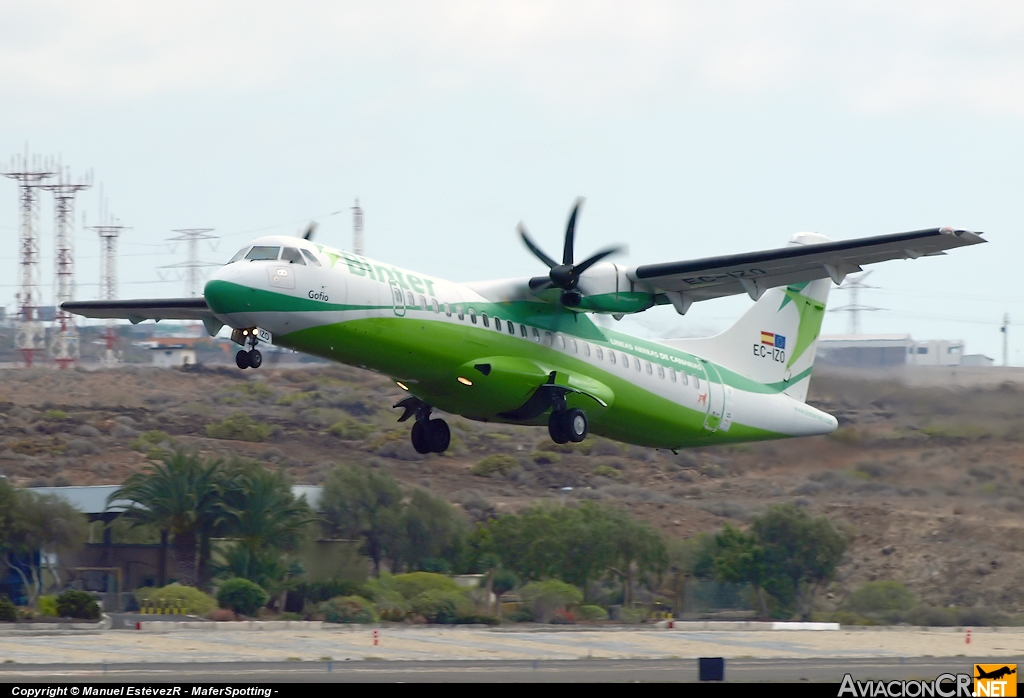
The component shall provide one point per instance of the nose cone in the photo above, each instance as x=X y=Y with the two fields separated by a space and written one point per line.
x=227 y=292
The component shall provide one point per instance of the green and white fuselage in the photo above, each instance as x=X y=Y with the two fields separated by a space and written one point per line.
x=483 y=350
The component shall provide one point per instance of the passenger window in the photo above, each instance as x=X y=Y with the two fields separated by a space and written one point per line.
x=547 y=339
x=600 y=353
x=661 y=371
x=522 y=330
x=458 y=310
x=650 y=371
x=410 y=300
x=536 y=335
x=611 y=357
x=696 y=382
x=423 y=302
x=636 y=365
x=448 y=309
x=686 y=378
x=586 y=349
x=561 y=342
x=512 y=328
x=262 y=252
x=625 y=361
x=311 y=258
x=672 y=374
x=238 y=255
x=497 y=324
x=572 y=345
x=472 y=316
x=483 y=316
x=435 y=306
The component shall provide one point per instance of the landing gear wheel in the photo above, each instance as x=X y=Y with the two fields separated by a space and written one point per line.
x=575 y=424
x=558 y=428
x=242 y=359
x=255 y=358
x=439 y=436
x=419 y=438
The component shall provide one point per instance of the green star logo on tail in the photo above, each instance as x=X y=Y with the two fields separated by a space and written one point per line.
x=812 y=313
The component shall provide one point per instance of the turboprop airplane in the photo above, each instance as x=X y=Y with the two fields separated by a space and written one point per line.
x=526 y=351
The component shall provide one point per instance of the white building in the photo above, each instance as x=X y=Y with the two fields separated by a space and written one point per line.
x=173 y=356
x=882 y=350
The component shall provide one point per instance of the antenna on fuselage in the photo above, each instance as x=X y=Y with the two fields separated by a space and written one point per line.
x=357 y=229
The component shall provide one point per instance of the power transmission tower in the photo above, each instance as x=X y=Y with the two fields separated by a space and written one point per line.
x=192 y=236
x=108 y=230
x=854 y=308
x=1005 y=329
x=64 y=337
x=30 y=172
x=357 y=229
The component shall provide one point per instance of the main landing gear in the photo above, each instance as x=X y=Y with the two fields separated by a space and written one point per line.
x=567 y=425
x=428 y=435
x=251 y=358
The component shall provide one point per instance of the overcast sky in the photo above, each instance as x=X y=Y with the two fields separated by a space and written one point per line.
x=692 y=129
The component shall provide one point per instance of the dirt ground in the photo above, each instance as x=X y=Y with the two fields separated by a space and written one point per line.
x=926 y=480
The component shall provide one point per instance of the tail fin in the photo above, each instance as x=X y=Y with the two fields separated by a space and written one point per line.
x=775 y=341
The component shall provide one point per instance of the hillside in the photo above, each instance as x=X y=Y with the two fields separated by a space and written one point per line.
x=927 y=481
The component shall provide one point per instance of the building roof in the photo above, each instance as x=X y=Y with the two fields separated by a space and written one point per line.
x=92 y=499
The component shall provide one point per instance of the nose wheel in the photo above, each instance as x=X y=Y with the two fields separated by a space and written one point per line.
x=251 y=358
x=568 y=425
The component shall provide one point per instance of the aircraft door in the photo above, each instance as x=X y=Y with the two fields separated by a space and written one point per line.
x=397 y=299
x=715 y=398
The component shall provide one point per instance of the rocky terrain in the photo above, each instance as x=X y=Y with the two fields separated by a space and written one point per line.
x=928 y=482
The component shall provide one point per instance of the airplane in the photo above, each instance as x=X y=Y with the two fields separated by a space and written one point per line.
x=527 y=351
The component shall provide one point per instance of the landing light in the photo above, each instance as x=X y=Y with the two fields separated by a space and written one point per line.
x=401 y=385
x=465 y=381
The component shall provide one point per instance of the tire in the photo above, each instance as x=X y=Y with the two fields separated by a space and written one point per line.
x=576 y=424
x=242 y=359
x=557 y=428
x=419 y=438
x=255 y=358
x=439 y=436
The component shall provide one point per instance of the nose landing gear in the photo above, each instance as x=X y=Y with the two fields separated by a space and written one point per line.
x=251 y=358
x=428 y=435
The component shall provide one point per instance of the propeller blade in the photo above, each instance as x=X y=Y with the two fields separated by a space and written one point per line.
x=310 y=229
x=570 y=234
x=594 y=259
x=533 y=248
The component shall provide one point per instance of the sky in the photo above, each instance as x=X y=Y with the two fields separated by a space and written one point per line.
x=692 y=129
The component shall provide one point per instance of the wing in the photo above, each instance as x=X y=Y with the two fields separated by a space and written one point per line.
x=146 y=309
x=754 y=272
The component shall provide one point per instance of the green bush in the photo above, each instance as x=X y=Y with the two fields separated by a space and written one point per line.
x=877 y=597
x=8 y=611
x=413 y=584
x=849 y=618
x=77 y=604
x=351 y=430
x=148 y=439
x=348 y=609
x=239 y=427
x=442 y=606
x=55 y=415
x=500 y=463
x=318 y=592
x=590 y=612
x=608 y=472
x=47 y=606
x=929 y=615
x=176 y=597
x=241 y=596
x=544 y=598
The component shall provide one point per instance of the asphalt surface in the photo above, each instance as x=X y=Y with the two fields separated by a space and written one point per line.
x=826 y=670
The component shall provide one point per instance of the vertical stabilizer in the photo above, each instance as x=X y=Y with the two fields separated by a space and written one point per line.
x=776 y=340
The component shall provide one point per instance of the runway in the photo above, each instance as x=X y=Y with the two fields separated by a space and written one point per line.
x=826 y=670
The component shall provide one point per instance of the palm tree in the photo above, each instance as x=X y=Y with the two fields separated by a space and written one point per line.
x=183 y=495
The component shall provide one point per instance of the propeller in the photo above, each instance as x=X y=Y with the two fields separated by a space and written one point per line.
x=566 y=275
x=310 y=230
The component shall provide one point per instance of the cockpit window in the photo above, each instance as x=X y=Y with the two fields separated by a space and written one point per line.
x=238 y=255
x=262 y=252
x=292 y=256
x=313 y=261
